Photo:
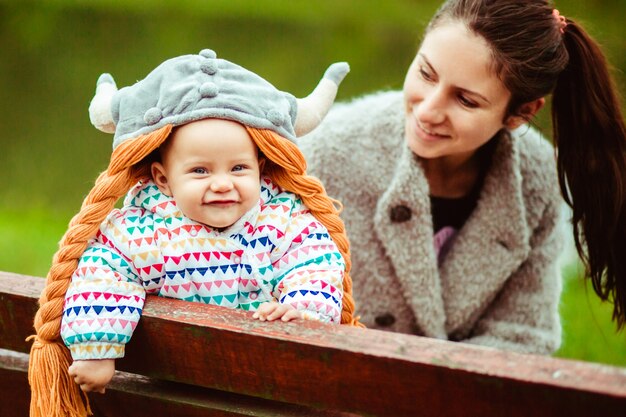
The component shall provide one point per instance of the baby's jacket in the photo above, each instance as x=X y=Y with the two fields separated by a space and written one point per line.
x=278 y=250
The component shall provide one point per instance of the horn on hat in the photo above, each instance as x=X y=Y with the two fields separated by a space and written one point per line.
x=100 y=107
x=313 y=108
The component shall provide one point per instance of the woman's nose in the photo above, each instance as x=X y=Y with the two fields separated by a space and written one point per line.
x=431 y=110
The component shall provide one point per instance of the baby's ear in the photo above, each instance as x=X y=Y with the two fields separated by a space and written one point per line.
x=262 y=161
x=159 y=176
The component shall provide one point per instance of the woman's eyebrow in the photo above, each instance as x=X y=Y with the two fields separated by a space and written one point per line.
x=465 y=90
x=427 y=62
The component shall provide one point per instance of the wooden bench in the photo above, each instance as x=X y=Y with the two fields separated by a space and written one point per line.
x=188 y=359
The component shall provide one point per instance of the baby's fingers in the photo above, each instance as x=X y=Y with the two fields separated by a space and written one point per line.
x=292 y=315
x=92 y=388
x=264 y=310
x=278 y=312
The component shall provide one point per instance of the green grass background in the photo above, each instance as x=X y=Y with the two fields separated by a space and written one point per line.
x=54 y=50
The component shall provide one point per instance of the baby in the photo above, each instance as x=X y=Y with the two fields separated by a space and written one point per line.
x=220 y=209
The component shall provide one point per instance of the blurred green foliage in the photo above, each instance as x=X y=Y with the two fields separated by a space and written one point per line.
x=53 y=53
x=588 y=332
x=54 y=50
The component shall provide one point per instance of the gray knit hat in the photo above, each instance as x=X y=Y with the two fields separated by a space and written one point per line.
x=194 y=87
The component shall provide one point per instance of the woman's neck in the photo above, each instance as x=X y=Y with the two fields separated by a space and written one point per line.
x=452 y=176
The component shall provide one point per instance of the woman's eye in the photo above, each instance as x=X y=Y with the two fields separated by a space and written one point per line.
x=465 y=102
x=425 y=74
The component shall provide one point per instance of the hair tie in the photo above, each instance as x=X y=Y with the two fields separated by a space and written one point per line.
x=561 y=21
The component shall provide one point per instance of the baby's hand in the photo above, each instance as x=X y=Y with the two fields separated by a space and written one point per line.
x=92 y=375
x=273 y=311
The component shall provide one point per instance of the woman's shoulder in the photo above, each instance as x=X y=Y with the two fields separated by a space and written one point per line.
x=537 y=160
x=361 y=121
x=347 y=146
x=535 y=150
x=362 y=107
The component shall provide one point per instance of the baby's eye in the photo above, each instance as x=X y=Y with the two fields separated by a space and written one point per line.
x=239 y=167
x=199 y=170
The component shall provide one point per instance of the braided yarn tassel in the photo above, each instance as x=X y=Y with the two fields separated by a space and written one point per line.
x=289 y=173
x=53 y=391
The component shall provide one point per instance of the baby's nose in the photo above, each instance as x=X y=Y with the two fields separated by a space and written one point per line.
x=221 y=184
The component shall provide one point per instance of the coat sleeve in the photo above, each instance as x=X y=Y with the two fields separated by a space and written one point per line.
x=105 y=298
x=524 y=317
x=309 y=269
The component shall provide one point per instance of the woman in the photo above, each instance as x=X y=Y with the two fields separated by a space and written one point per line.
x=452 y=204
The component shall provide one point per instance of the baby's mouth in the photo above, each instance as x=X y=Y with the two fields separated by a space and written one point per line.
x=220 y=203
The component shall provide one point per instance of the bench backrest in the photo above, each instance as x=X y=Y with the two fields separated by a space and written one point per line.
x=193 y=359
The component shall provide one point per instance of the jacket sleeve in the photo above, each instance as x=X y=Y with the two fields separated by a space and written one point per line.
x=105 y=298
x=309 y=269
x=524 y=317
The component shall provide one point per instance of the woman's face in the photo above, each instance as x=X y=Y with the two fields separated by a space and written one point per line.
x=454 y=101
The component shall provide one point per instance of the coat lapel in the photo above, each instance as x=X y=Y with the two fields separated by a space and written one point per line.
x=412 y=256
x=490 y=247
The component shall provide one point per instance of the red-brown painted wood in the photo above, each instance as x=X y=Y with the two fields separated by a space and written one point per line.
x=340 y=368
x=139 y=396
x=18 y=305
x=13 y=383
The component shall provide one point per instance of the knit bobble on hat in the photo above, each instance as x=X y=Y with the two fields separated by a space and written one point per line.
x=209 y=90
x=208 y=53
x=152 y=116
x=276 y=117
x=209 y=66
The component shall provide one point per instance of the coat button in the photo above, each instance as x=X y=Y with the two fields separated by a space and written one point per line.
x=400 y=214
x=385 y=320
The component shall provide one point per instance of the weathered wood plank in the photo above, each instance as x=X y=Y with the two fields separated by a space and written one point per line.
x=139 y=396
x=13 y=384
x=18 y=305
x=329 y=367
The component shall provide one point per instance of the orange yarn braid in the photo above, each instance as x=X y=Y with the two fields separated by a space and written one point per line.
x=286 y=166
x=54 y=393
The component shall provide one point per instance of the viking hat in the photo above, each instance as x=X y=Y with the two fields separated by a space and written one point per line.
x=195 y=87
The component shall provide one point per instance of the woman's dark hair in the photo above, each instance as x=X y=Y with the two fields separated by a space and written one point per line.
x=536 y=54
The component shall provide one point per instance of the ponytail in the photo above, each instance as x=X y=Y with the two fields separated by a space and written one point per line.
x=590 y=137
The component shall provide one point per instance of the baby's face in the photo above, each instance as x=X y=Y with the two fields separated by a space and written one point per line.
x=211 y=168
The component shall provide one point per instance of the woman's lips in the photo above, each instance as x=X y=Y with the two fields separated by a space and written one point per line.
x=428 y=135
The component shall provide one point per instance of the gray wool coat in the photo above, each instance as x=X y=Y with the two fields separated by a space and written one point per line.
x=499 y=284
